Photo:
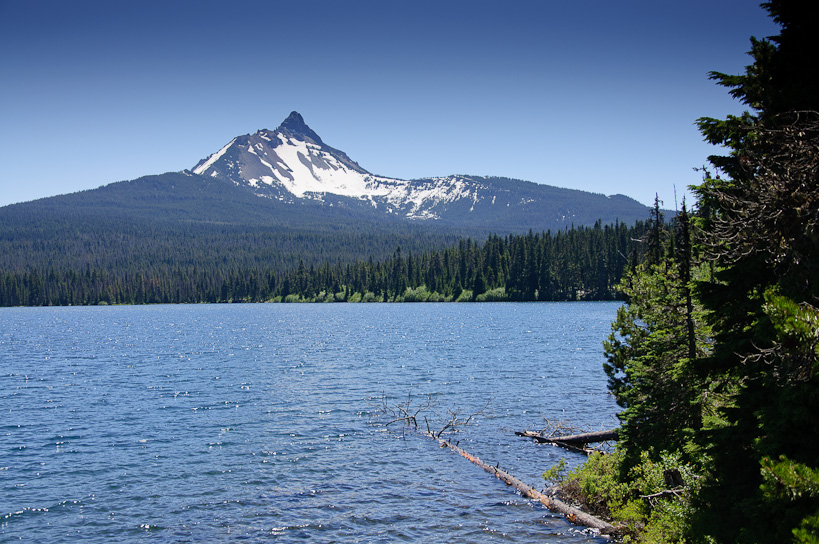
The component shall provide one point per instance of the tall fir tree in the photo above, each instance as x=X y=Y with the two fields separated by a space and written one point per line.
x=761 y=224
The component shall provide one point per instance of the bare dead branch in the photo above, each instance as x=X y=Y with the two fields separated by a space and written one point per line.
x=665 y=493
x=411 y=410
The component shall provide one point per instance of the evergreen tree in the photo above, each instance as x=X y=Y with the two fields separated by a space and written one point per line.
x=762 y=239
x=655 y=341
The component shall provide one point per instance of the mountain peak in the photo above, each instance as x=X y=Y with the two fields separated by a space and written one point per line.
x=296 y=125
x=292 y=164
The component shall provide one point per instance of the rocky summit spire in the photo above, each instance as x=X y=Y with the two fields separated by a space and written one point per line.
x=295 y=124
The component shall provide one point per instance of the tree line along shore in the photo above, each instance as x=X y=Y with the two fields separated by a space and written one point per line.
x=573 y=264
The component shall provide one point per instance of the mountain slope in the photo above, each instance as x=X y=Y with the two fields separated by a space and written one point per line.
x=184 y=220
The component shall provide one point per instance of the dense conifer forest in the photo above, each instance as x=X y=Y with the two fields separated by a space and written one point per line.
x=237 y=266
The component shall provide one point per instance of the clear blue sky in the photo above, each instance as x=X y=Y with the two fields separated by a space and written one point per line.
x=593 y=95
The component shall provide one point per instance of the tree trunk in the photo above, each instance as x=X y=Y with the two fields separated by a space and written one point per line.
x=551 y=502
x=574 y=439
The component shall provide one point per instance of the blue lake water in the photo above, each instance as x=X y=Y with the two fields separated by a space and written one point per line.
x=257 y=423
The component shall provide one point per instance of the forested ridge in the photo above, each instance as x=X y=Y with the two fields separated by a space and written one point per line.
x=572 y=264
x=179 y=237
x=714 y=359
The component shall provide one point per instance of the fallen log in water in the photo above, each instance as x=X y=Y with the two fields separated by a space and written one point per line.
x=551 y=502
x=572 y=439
x=537 y=438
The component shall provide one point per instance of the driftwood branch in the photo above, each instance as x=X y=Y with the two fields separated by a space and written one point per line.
x=410 y=413
x=453 y=422
x=573 y=439
x=549 y=500
x=572 y=442
x=406 y=413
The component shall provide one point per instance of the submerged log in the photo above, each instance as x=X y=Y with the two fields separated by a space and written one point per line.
x=548 y=500
x=573 y=439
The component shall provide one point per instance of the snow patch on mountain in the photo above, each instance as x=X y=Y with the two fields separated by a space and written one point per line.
x=213 y=158
x=313 y=170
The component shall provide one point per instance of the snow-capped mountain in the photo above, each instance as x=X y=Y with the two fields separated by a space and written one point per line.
x=292 y=162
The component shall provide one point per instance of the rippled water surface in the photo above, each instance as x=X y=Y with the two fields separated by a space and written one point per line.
x=256 y=423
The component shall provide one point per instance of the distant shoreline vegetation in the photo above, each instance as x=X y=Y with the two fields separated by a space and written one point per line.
x=584 y=263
